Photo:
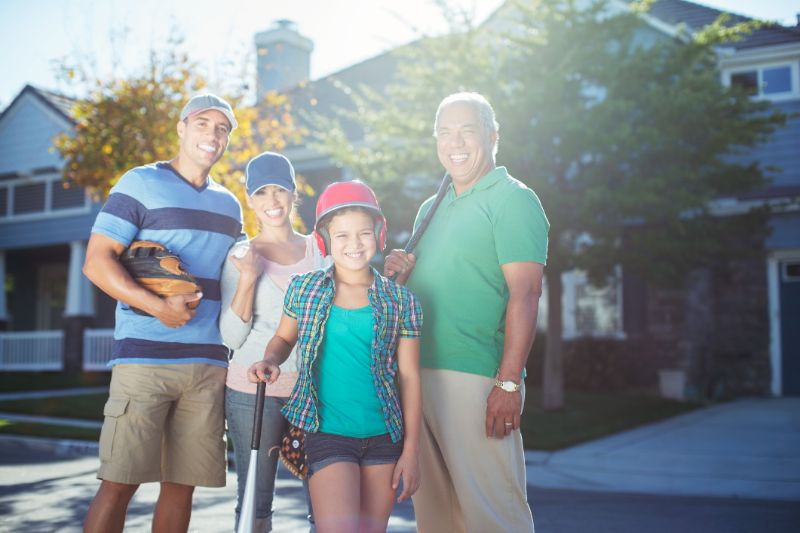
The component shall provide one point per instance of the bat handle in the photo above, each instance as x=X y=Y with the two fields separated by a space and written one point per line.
x=257 y=415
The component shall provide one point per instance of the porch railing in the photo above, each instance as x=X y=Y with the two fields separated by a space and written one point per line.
x=97 y=345
x=32 y=350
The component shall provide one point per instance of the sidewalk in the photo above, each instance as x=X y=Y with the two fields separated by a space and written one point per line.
x=747 y=448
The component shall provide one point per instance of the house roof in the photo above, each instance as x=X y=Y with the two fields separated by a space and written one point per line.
x=63 y=104
x=59 y=103
x=695 y=16
x=377 y=72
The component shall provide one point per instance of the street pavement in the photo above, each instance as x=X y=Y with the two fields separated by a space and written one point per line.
x=732 y=467
x=45 y=490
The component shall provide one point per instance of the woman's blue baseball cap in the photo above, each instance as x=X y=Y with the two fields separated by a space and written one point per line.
x=269 y=168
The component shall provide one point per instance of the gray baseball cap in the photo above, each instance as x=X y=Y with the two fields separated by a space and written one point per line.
x=203 y=102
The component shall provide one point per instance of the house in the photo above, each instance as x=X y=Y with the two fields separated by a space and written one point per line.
x=742 y=332
x=44 y=226
x=736 y=334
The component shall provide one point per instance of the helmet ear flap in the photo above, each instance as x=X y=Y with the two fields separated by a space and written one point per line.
x=380 y=231
x=322 y=237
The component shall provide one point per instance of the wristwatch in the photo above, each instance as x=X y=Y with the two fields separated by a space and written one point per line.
x=508 y=385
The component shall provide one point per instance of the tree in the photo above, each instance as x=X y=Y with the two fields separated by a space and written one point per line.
x=625 y=134
x=127 y=122
x=397 y=155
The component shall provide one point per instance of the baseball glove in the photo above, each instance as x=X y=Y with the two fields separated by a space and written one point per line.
x=158 y=270
x=292 y=451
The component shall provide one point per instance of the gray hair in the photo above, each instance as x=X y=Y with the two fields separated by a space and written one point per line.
x=480 y=104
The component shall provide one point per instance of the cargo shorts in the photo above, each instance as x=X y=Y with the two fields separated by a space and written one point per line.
x=165 y=422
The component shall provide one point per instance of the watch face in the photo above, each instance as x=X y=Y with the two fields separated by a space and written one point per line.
x=508 y=386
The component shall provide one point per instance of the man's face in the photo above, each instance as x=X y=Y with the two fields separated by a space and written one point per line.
x=204 y=137
x=463 y=145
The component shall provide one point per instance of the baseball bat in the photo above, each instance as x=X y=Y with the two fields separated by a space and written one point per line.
x=423 y=225
x=247 y=516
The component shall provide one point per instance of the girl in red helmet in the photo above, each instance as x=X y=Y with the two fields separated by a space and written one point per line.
x=357 y=394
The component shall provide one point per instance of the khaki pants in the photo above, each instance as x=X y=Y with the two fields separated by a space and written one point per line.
x=470 y=483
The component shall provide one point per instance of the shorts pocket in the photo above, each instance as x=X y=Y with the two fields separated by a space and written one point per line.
x=114 y=408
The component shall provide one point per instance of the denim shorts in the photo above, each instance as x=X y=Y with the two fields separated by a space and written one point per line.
x=323 y=449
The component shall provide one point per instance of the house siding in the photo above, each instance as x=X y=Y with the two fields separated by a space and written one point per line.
x=47 y=231
x=783 y=148
x=27 y=132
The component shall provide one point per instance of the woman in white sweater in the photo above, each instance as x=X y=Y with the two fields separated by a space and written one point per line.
x=254 y=280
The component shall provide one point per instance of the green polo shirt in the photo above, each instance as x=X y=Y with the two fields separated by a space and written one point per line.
x=458 y=278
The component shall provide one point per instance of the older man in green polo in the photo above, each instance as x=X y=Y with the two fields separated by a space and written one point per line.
x=478 y=274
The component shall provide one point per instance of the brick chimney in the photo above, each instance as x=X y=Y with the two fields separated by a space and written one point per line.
x=284 y=57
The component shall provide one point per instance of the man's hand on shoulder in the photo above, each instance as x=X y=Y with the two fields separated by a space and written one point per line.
x=401 y=263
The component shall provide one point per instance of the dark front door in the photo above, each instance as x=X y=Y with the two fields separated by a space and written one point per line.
x=790 y=326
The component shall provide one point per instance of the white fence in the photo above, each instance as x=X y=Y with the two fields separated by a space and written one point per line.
x=32 y=350
x=97 y=345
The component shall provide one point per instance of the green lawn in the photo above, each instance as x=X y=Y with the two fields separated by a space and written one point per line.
x=9 y=427
x=589 y=415
x=28 y=381
x=586 y=416
x=89 y=407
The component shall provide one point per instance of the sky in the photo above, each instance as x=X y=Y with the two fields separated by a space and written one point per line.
x=36 y=36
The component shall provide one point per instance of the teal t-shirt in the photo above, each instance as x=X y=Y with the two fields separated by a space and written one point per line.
x=458 y=277
x=348 y=404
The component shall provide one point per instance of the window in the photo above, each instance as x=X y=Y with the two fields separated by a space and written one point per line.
x=29 y=198
x=776 y=80
x=588 y=311
x=40 y=196
x=791 y=271
x=64 y=197
x=747 y=81
x=769 y=81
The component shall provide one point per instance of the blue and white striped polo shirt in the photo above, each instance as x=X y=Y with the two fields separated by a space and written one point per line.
x=155 y=203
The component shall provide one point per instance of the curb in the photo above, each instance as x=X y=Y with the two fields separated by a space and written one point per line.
x=537 y=457
x=59 y=447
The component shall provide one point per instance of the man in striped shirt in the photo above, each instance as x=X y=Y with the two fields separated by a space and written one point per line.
x=164 y=417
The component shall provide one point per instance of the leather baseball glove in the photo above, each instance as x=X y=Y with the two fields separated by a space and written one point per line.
x=158 y=270
x=292 y=451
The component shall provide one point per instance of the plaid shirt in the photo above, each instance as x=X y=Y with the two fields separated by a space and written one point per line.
x=396 y=313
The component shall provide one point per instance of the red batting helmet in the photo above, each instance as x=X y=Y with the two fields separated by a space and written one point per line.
x=343 y=194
